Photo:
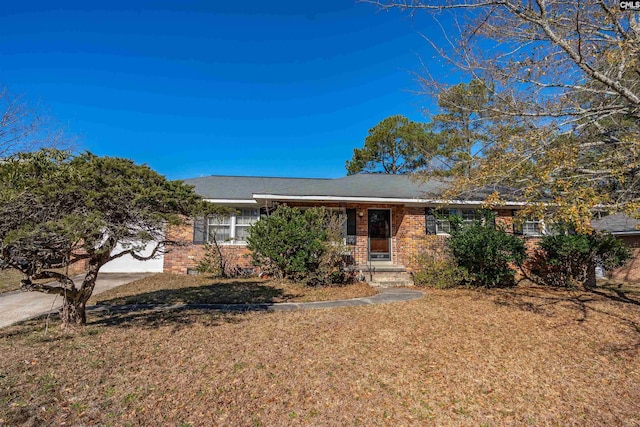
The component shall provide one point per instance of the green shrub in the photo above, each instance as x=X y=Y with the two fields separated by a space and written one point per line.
x=486 y=252
x=331 y=268
x=439 y=273
x=569 y=259
x=299 y=245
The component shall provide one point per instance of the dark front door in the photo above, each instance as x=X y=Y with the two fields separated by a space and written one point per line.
x=379 y=234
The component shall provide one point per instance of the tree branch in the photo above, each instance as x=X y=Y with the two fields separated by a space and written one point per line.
x=29 y=286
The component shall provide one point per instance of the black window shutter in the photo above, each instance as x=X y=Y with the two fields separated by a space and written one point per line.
x=351 y=227
x=430 y=220
x=199 y=230
x=517 y=226
x=351 y=222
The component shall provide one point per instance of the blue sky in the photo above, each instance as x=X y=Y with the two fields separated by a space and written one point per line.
x=193 y=88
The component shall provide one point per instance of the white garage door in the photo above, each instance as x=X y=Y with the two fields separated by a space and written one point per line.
x=128 y=264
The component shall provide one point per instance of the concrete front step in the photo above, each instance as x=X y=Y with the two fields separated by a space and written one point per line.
x=385 y=276
x=400 y=283
x=378 y=267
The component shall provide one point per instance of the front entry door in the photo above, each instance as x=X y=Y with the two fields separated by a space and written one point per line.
x=380 y=234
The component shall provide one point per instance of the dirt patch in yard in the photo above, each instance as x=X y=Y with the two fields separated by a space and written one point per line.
x=179 y=289
x=523 y=356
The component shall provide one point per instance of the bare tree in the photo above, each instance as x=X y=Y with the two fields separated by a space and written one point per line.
x=567 y=74
x=24 y=127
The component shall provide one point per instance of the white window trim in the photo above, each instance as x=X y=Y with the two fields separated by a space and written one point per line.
x=232 y=228
x=541 y=227
x=456 y=212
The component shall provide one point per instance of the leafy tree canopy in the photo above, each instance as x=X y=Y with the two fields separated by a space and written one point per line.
x=393 y=146
x=57 y=209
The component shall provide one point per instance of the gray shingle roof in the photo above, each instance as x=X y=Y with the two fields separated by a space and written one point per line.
x=366 y=185
x=243 y=187
x=616 y=223
x=359 y=185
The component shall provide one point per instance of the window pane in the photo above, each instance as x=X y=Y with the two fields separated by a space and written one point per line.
x=242 y=232
x=443 y=226
x=470 y=215
x=219 y=220
x=247 y=216
x=222 y=233
x=531 y=228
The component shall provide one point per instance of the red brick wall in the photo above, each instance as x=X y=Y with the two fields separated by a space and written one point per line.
x=413 y=241
x=631 y=271
x=180 y=258
x=408 y=238
x=407 y=231
x=79 y=267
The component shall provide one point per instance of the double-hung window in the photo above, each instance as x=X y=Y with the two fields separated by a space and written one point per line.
x=443 y=225
x=232 y=228
x=219 y=229
x=469 y=216
x=532 y=228
x=244 y=221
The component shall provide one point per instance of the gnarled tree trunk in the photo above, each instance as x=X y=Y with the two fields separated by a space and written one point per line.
x=73 y=310
x=590 y=281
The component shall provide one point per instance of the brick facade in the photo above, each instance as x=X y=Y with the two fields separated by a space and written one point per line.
x=179 y=259
x=408 y=238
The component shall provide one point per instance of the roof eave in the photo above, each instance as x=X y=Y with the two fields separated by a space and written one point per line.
x=232 y=201
x=623 y=233
x=386 y=200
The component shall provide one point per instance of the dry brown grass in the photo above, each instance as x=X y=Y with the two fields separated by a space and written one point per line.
x=9 y=280
x=524 y=356
x=180 y=289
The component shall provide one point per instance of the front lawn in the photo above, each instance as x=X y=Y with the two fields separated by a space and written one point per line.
x=9 y=280
x=523 y=356
x=180 y=289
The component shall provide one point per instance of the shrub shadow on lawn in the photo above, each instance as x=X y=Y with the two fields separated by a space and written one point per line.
x=232 y=292
x=177 y=318
x=543 y=300
x=579 y=306
x=618 y=293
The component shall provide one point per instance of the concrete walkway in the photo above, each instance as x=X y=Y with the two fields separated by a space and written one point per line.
x=386 y=295
x=17 y=306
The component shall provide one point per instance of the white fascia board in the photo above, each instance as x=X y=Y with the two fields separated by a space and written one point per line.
x=390 y=200
x=232 y=201
x=625 y=233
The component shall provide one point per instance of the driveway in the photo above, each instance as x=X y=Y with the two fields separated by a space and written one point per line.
x=18 y=305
